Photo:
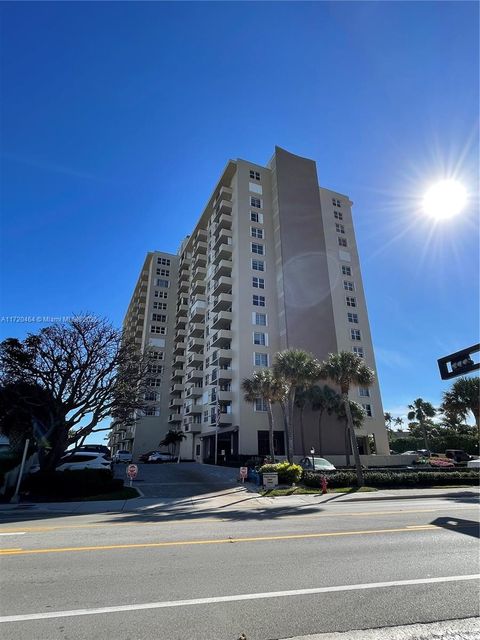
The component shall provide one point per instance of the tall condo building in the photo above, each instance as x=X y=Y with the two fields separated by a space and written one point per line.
x=150 y=324
x=271 y=264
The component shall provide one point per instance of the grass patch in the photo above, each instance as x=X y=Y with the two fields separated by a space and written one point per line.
x=124 y=494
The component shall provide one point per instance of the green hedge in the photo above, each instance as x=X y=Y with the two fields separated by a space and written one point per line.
x=287 y=473
x=61 y=485
x=392 y=479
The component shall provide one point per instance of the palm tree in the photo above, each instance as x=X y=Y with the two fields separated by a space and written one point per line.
x=344 y=369
x=464 y=397
x=302 y=397
x=322 y=399
x=358 y=416
x=420 y=411
x=296 y=368
x=398 y=422
x=172 y=440
x=263 y=384
x=388 y=419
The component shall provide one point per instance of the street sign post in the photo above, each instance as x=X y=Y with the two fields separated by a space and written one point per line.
x=459 y=363
x=243 y=473
x=132 y=471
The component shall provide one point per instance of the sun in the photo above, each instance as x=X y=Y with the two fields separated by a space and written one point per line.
x=444 y=199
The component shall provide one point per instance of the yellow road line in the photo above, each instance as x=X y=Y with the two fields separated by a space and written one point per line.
x=150 y=545
x=222 y=520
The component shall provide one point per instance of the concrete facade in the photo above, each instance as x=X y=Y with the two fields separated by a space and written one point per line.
x=271 y=264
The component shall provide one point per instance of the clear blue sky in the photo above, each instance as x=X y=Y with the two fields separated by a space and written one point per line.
x=117 y=119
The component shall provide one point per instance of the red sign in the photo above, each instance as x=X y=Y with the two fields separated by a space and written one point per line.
x=243 y=472
x=132 y=471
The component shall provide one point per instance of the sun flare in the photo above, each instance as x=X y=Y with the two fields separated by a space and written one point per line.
x=444 y=199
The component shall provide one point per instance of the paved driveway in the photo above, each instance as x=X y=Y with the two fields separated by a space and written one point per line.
x=183 y=480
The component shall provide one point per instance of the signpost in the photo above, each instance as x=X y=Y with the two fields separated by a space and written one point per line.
x=270 y=480
x=132 y=471
x=243 y=473
x=459 y=363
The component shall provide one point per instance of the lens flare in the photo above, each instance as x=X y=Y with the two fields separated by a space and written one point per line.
x=444 y=199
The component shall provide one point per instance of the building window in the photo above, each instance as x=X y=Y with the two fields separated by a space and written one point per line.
x=264 y=443
x=155 y=368
x=339 y=228
x=160 y=305
x=259 y=318
x=353 y=317
x=358 y=351
x=347 y=271
x=258 y=265
x=368 y=410
x=338 y=215
x=150 y=396
x=255 y=216
x=336 y=203
x=348 y=286
x=162 y=283
x=342 y=242
x=260 y=359
x=159 y=317
x=205 y=416
x=258 y=301
x=255 y=232
x=351 y=302
x=156 y=355
x=259 y=249
x=154 y=382
x=258 y=283
x=355 y=334
x=260 y=339
x=254 y=175
x=164 y=261
x=364 y=392
x=161 y=330
x=163 y=272
x=255 y=202
x=260 y=405
x=160 y=294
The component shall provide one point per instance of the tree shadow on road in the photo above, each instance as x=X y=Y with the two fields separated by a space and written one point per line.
x=459 y=525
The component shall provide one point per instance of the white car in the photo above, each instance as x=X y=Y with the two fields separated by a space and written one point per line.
x=122 y=456
x=316 y=464
x=473 y=464
x=79 y=460
x=161 y=457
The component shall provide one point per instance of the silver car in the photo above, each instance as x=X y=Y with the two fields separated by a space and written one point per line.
x=316 y=464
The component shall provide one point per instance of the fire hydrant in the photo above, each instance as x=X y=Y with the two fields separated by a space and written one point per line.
x=324 y=485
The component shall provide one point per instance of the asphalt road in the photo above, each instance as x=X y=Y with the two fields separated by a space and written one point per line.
x=270 y=571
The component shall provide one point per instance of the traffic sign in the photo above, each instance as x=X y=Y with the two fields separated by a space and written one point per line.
x=132 y=471
x=459 y=363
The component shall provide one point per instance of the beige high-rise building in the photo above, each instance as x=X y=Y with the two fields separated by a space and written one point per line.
x=271 y=264
x=150 y=324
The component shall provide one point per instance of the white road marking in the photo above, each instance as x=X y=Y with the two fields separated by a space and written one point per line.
x=14 y=533
x=235 y=598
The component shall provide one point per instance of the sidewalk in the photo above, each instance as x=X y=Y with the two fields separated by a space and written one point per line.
x=236 y=497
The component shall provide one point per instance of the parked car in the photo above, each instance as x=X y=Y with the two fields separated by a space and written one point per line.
x=98 y=448
x=317 y=464
x=145 y=456
x=409 y=453
x=122 y=456
x=458 y=455
x=79 y=460
x=473 y=464
x=159 y=457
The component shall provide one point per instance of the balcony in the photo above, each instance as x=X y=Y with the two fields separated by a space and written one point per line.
x=224 y=221
x=197 y=311
x=193 y=408
x=193 y=391
x=197 y=330
x=225 y=420
x=224 y=252
x=222 y=303
x=195 y=374
x=224 y=375
x=224 y=237
x=224 y=357
x=182 y=309
x=175 y=417
x=201 y=235
x=180 y=348
x=181 y=323
x=225 y=193
x=177 y=374
x=183 y=285
x=177 y=388
x=195 y=360
x=224 y=268
x=200 y=273
x=222 y=339
x=198 y=287
x=196 y=344
x=179 y=362
x=200 y=261
x=180 y=335
x=185 y=264
x=222 y=320
x=200 y=247
x=175 y=402
x=222 y=285
x=192 y=424
x=223 y=396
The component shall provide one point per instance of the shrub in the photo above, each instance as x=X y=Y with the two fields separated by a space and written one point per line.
x=63 y=485
x=392 y=479
x=287 y=473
